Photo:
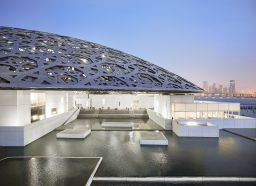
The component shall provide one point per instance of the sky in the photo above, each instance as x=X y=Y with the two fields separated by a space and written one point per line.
x=213 y=40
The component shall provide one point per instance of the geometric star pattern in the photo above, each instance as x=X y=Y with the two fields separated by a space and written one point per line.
x=39 y=60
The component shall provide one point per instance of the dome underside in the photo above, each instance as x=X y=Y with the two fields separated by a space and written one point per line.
x=39 y=60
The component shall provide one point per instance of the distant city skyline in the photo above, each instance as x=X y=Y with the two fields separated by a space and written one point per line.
x=218 y=88
x=198 y=40
x=228 y=88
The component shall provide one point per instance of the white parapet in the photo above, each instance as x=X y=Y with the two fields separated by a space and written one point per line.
x=160 y=120
x=23 y=135
x=153 y=138
x=195 y=129
x=80 y=133
x=225 y=123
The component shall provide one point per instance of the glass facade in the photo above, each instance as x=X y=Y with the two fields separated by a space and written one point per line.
x=204 y=110
x=37 y=101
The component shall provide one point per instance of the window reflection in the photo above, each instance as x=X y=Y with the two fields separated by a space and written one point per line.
x=37 y=106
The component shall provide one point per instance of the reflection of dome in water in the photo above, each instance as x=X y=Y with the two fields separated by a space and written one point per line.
x=39 y=60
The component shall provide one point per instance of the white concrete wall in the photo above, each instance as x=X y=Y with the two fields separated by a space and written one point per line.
x=82 y=99
x=70 y=100
x=15 y=115
x=24 y=106
x=112 y=101
x=162 y=105
x=228 y=122
x=11 y=135
x=59 y=100
x=183 y=130
x=14 y=107
x=23 y=135
x=146 y=101
x=73 y=116
x=38 y=129
x=160 y=120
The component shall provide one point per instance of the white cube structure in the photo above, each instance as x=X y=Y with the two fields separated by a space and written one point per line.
x=195 y=129
x=153 y=138
x=74 y=133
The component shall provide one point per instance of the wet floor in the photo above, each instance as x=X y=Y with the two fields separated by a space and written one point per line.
x=41 y=171
x=229 y=155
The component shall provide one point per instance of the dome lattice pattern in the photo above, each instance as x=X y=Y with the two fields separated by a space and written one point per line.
x=39 y=60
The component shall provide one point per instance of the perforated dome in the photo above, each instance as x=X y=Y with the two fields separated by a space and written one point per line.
x=40 y=60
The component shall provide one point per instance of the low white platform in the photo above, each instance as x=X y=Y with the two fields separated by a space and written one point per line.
x=118 y=124
x=195 y=129
x=74 y=133
x=153 y=138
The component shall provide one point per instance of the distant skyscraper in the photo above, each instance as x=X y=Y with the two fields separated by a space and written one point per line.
x=220 y=91
x=206 y=86
x=232 y=87
x=210 y=89
x=214 y=89
x=225 y=90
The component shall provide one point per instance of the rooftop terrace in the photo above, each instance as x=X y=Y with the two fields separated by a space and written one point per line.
x=228 y=156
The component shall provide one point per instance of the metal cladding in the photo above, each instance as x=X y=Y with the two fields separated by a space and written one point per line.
x=40 y=60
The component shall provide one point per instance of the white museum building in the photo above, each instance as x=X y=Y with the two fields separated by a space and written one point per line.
x=46 y=80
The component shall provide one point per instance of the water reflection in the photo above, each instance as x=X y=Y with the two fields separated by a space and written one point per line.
x=33 y=176
x=228 y=145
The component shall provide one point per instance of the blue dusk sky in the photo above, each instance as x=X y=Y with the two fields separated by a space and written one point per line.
x=212 y=40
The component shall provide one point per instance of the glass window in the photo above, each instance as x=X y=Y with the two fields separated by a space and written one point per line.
x=179 y=115
x=37 y=106
x=190 y=115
